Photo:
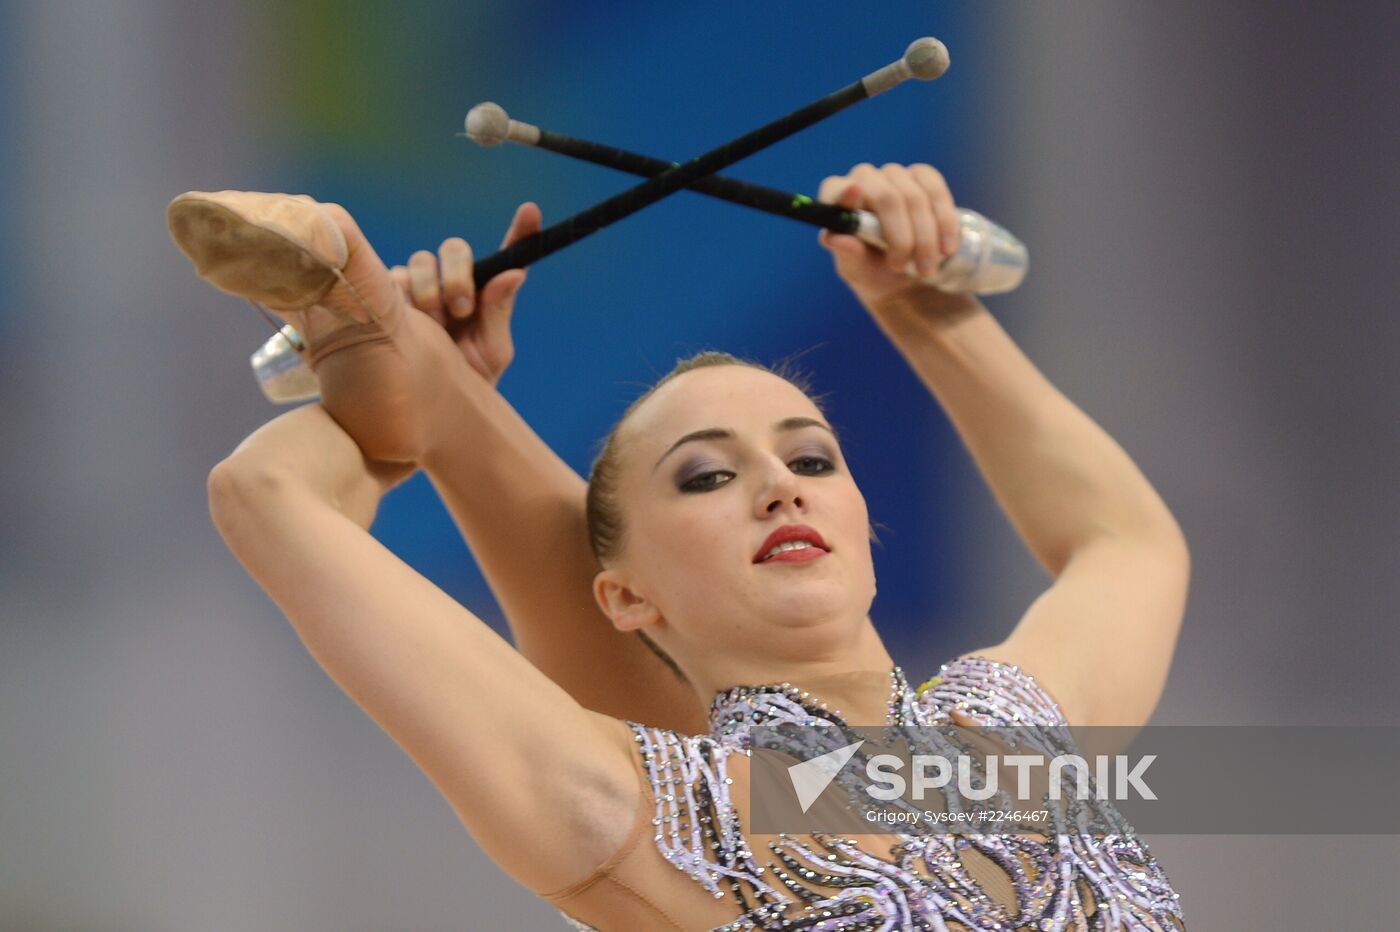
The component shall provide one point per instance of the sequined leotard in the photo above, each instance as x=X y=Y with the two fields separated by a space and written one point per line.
x=688 y=864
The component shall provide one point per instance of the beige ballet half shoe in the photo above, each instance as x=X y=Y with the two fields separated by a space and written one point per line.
x=281 y=250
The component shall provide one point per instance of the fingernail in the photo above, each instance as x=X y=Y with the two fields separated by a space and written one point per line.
x=926 y=268
x=950 y=244
x=461 y=307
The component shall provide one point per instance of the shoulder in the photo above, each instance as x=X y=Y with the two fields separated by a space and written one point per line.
x=989 y=692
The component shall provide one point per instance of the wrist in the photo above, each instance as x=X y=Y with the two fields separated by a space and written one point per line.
x=456 y=416
x=920 y=311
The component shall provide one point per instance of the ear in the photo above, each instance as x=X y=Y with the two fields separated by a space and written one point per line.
x=629 y=610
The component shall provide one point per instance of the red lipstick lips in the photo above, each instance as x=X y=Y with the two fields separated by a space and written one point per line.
x=791 y=532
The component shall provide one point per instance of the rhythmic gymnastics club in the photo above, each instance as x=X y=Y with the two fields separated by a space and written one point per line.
x=925 y=59
x=990 y=260
x=488 y=124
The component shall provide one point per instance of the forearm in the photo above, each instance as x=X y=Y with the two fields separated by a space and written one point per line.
x=519 y=505
x=1062 y=480
x=521 y=510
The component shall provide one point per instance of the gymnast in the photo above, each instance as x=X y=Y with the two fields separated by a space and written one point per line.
x=715 y=567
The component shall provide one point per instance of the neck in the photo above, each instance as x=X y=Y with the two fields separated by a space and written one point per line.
x=852 y=678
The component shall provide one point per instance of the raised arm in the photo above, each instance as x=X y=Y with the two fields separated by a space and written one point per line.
x=490 y=731
x=1102 y=636
x=521 y=508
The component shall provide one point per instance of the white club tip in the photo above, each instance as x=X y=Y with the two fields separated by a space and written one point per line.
x=488 y=124
x=926 y=58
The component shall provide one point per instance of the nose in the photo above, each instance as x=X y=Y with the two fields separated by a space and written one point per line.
x=781 y=488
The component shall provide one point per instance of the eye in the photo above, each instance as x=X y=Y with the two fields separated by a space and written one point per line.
x=812 y=465
x=707 y=481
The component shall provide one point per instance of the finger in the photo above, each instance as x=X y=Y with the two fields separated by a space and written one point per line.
x=458 y=287
x=944 y=210
x=887 y=202
x=852 y=197
x=843 y=244
x=921 y=219
x=497 y=303
x=399 y=274
x=526 y=222
x=497 y=299
x=423 y=281
x=833 y=187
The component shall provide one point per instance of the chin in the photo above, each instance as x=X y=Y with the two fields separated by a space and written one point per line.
x=811 y=608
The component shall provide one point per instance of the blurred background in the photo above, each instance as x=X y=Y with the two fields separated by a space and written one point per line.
x=1208 y=192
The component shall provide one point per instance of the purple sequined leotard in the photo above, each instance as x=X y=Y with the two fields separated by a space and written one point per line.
x=712 y=876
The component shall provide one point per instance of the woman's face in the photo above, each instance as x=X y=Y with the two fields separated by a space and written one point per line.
x=717 y=468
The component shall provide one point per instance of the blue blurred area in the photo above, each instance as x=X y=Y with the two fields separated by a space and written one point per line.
x=607 y=316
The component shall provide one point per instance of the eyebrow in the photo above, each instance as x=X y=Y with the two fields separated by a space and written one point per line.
x=720 y=433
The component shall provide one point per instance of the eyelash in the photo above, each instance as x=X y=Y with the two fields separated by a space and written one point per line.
x=697 y=485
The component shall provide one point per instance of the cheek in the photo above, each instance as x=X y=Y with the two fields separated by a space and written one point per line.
x=855 y=522
x=854 y=511
x=684 y=548
x=708 y=542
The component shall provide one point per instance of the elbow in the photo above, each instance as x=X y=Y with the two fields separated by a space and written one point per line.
x=1161 y=526
x=238 y=489
x=1164 y=547
x=1176 y=549
x=1159 y=533
x=1160 y=539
